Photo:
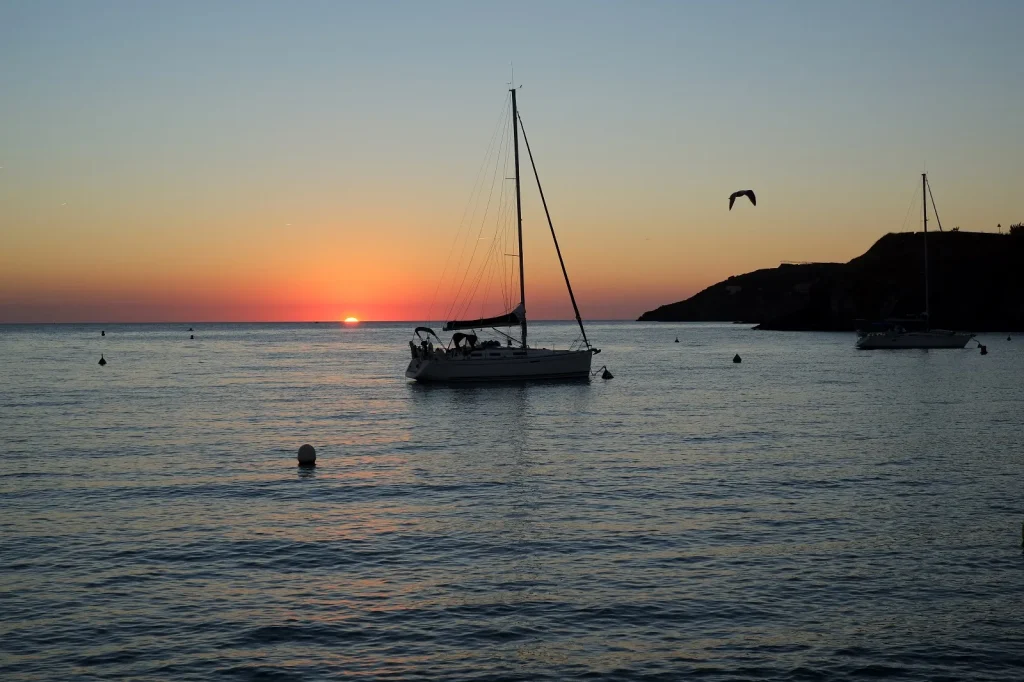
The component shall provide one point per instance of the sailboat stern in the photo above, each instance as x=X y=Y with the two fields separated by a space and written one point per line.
x=416 y=368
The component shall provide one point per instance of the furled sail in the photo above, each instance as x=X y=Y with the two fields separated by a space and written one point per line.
x=507 y=320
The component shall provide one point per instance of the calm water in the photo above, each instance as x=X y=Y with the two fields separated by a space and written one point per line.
x=812 y=513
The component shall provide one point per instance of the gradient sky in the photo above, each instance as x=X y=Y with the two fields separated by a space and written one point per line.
x=312 y=160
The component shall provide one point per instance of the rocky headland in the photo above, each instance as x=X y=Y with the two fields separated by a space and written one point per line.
x=976 y=278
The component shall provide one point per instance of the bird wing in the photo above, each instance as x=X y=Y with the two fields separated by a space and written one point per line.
x=753 y=199
x=732 y=200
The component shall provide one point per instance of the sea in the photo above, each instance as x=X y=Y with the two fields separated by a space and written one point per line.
x=813 y=512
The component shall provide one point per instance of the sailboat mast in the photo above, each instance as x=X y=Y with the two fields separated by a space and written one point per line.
x=551 y=226
x=519 y=212
x=924 y=208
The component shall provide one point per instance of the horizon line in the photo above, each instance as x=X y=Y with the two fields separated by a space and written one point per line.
x=608 y=319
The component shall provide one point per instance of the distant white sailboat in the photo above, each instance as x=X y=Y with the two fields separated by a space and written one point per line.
x=464 y=358
x=896 y=335
x=899 y=337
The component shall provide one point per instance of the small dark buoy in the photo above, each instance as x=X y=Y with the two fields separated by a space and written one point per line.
x=677 y=339
x=103 y=360
x=103 y=333
x=191 y=329
x=984 y=350
x=1007 y=338
x=606 y=374
x=737 y=359
x=307 y=456
x=191 y=336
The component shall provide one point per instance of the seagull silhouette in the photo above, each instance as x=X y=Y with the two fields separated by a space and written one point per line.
x=742 y=193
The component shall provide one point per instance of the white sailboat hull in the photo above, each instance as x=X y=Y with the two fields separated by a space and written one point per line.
x=934 y=338
x=501 y=364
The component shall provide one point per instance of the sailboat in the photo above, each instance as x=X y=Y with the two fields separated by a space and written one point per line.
x=897 y=335
x=466 y=358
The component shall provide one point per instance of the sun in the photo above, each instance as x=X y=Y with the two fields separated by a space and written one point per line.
x=351 y=320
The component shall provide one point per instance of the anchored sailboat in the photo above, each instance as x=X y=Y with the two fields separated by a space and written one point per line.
x=897 y=335
x=465 y=358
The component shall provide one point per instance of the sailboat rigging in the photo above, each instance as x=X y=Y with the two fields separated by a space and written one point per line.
x=465 y=358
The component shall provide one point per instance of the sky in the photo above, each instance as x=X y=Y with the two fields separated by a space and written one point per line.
x=273 y=161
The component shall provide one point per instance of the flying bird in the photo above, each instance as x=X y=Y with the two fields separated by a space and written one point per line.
x=742 y=193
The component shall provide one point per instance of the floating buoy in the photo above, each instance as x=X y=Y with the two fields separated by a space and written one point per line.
x=191 y=329
x=103 y=360
x=606 y=374
x=103 y=333
x=307 y=456
x=1007 y=338
x=737 y=359
x=677 y=339
x=191 y=336
x=984 y=350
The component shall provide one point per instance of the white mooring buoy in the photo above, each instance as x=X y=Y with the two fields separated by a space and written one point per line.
x=307 y=456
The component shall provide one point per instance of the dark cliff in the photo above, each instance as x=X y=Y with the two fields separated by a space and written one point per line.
x=977 y=284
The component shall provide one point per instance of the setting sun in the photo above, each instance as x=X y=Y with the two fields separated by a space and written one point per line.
x=351 y=320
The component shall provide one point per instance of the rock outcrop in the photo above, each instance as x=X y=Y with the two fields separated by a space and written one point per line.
x=977 y=284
